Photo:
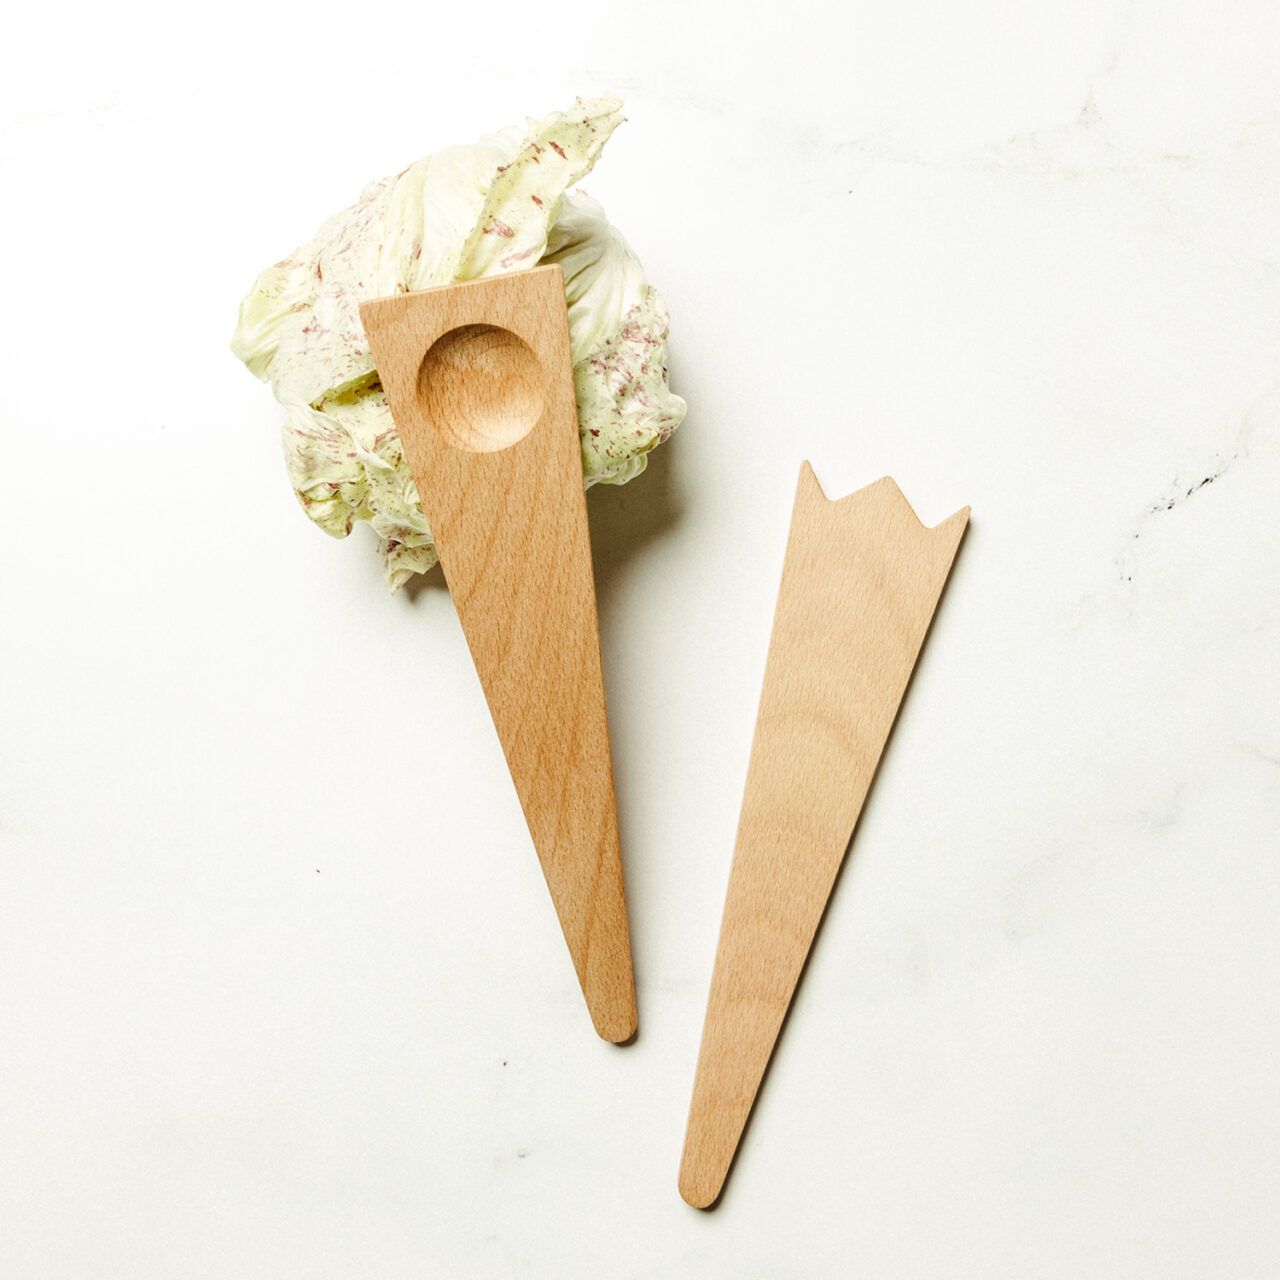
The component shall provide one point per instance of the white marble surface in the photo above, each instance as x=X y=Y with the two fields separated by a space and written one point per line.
x=282 y=994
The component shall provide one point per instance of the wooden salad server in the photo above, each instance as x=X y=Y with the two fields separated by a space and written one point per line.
x=860 y=583
x=479 y=379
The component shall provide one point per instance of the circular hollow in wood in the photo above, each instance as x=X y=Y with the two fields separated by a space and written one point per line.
x=481 y=388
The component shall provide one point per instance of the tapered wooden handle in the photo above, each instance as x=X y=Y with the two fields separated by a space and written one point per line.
x=480 y=382
x=860 y=584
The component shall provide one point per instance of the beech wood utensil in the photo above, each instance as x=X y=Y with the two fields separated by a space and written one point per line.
x=479 y=378
x=860 y=583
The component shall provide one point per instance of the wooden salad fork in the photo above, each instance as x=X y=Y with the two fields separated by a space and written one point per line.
x=860 y=583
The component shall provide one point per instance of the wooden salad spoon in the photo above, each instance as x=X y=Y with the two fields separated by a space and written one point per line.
x=479 y=378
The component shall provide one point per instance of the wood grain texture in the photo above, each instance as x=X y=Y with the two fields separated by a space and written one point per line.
x=480 y=383
x=860 y=583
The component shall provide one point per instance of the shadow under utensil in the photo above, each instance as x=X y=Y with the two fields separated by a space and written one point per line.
x=624 y=519
x=625 y=522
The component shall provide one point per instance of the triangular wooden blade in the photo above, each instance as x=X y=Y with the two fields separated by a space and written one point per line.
x=860 y=584
x=479 y=378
